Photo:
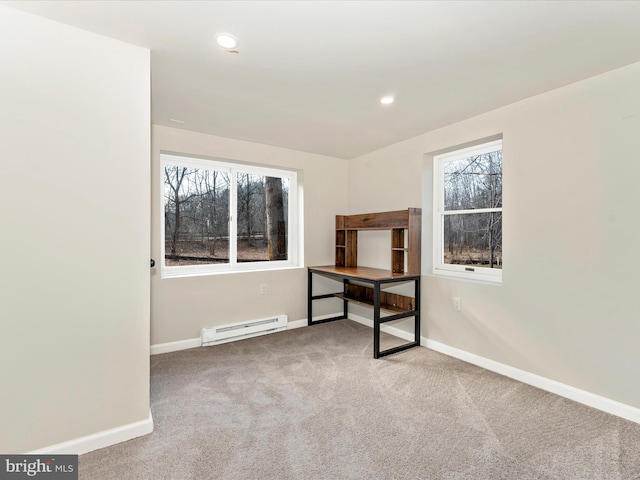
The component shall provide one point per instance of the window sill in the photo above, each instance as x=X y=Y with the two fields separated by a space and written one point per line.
x=164 y=275
x=494 y=282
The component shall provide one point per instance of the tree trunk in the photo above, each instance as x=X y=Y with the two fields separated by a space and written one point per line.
x=176 y=228
x=175 y=188
x=276 y=235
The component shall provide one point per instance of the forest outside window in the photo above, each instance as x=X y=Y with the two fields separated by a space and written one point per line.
x=225 y=217
x=468 y=213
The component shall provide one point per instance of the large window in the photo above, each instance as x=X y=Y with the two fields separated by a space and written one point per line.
x=468 y=212
x=220 y=216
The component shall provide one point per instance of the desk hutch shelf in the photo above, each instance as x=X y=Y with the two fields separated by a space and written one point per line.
x=364 y=285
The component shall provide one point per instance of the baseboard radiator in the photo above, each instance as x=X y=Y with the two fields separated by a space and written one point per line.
x=241 y=330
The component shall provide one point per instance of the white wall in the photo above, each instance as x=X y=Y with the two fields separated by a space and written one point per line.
x=75 y=233
x=181 y=307
x=567 y=309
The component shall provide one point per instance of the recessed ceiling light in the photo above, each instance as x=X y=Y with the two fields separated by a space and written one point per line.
x=388 y=100
x=226 y=41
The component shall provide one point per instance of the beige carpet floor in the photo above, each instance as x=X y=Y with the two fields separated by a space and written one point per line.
x=312 y=403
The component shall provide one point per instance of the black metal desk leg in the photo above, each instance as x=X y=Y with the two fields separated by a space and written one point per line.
x=309 y=295
x=376 y=320
x=345 y=302
x=417 y=310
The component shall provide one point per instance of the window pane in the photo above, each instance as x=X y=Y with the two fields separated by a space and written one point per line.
x=262 y=218
x=473 y=182
x=196 y=206
x=473 y=239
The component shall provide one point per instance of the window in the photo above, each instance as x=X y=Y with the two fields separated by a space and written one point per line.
x=468 y=212
x=221 y=217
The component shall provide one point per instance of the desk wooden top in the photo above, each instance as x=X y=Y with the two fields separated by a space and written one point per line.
x=364 y=273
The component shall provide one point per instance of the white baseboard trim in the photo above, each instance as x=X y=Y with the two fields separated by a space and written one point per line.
x=175 y=346
x=567 y=391
x=297 y=324
x=99 y=440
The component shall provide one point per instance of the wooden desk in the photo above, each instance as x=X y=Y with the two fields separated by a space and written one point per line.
x=397 y=306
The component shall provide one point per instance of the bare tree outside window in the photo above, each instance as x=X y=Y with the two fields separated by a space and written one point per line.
x=262 y=199
x=251 y=218
x=275 y=195
x=196 y=216
x=470 y=184
x=470 y=211
x=199 y=227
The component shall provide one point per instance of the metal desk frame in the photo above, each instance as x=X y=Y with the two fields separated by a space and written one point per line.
x=377 y=279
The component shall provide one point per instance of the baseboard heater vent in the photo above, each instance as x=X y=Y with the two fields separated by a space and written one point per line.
x=241 y=330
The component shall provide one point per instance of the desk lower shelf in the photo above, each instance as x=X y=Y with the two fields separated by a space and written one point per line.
x=366 y=303
x=400 y=306
x=391 y=302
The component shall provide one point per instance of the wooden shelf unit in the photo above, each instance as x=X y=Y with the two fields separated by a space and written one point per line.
x=405 y=227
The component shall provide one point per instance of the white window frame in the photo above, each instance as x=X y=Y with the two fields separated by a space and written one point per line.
x=233 y=266
x=483 y=274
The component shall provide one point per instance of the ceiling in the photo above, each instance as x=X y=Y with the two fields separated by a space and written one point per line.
x=309 y=74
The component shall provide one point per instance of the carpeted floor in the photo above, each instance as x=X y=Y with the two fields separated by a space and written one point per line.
x=312 y=403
